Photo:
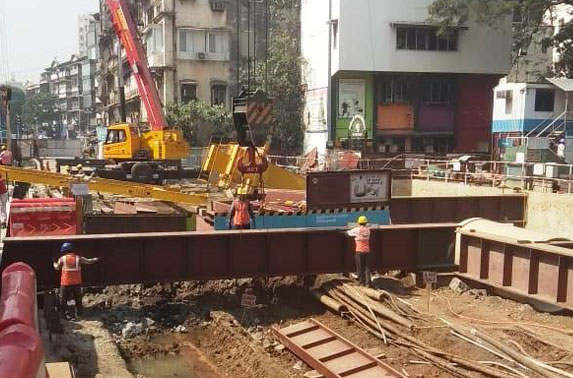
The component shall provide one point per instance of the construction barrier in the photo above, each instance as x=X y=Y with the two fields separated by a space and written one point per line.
x=21 y=349
x=21 y=353
x=43 y=216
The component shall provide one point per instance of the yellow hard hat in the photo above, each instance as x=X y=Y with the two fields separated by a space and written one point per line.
x=362 y=219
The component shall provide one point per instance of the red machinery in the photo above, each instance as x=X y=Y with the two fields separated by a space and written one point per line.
x=21 y=349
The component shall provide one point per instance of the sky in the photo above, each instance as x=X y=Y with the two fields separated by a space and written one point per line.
x=37 y=31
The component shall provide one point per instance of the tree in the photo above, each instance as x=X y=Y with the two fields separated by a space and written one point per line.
x=200 y=121
x=530 y=17
x=280 y=75
x=38 y=109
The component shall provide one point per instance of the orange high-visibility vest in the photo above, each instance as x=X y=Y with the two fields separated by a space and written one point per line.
x=241 y=216
x=362 y=240
x=71 y=270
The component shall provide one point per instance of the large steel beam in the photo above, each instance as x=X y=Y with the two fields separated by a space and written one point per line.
x=508 y=208
x=538 y=269
x=182 y=256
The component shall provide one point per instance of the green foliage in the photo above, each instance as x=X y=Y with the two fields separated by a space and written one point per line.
x=529 y=15
x=38 y=109
x=200 y=121
x=283 y=80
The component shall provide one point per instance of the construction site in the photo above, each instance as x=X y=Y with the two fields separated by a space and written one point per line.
x=421 y=253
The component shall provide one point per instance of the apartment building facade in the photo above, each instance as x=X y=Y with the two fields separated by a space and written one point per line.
x=191 y=50
x=72 y=83
x=414 y=89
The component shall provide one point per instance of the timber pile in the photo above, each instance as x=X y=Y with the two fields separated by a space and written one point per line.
x=396 y=322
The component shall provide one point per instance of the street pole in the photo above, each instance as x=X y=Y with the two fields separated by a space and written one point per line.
x=8 y=128
x=5 y=95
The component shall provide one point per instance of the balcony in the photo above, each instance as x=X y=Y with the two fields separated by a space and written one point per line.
x=156 y=59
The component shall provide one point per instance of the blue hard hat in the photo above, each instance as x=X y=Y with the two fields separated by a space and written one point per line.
x=67 y=247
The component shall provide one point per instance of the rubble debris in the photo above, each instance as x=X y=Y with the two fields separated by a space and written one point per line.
x=458 y=285
x=131 y=330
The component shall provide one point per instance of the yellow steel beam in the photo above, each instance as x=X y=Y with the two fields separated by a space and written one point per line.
x=97 y=184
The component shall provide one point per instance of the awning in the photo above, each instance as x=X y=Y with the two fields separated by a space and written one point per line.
x=564 y=84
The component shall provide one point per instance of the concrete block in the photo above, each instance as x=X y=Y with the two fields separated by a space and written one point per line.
x=458 y=285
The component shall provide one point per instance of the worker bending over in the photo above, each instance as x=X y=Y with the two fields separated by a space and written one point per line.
x=361 y=235
x=71 y=278
x=241 y=214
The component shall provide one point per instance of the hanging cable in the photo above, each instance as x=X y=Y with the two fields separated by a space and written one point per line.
x=248 y=45
x=266 y=45
x=238 y=57
x=255 y=44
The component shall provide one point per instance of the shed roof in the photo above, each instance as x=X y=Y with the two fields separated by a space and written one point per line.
x=562 y=83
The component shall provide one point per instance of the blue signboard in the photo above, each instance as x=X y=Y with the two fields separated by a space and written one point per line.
x=343 y=219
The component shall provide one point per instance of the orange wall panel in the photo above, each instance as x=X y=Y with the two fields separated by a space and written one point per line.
x=395 y=117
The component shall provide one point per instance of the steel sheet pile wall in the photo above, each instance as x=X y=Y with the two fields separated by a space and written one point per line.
x=502 y=258
x=167 y=257
x=509 y=208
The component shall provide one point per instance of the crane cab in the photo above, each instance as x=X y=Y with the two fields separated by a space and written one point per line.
x=122 y=142
x=126 y=142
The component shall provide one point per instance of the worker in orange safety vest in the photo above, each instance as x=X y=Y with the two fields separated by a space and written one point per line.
x=241 y=214
x=70 y=265
x=361 y=235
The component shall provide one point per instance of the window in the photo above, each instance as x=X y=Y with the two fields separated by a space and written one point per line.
x=438 y=92
x=508 y=102
x=426 y=38
x=115 y=136
x=218 y=95
x=188 y=92
x=544 y=100
x=213 y=44
x=154 y=40
x=395 y=91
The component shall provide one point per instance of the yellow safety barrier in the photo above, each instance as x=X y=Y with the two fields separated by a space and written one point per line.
x=97 y=184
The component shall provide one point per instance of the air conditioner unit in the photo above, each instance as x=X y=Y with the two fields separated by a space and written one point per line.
x=201 y=56
x=218 y=5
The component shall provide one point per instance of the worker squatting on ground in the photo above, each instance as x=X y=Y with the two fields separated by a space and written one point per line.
x=361 y=235
x=241 y=214
x=71 y=278
x=3 y=201
x=5 y=156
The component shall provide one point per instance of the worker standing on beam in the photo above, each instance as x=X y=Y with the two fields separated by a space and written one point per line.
x=71 y=278
x=361 y=235
x=241 y=214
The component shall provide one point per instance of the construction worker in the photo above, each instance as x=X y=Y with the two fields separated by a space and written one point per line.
x=361 y=235
x=3 y=201
x=241 y=214
x=71 y=278
x=5 y=156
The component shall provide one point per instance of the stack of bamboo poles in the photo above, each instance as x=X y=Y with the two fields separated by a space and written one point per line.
x=394 y=321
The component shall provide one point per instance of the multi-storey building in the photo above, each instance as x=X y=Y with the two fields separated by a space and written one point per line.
x=72 y=83
x=415 y=88
x=191 y=49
